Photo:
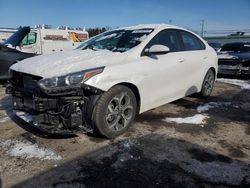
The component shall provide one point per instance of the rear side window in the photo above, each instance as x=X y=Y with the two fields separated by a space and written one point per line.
x=167 y=38
x=191 y=42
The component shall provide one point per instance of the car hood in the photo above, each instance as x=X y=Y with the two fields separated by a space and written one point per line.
x=62 y=63
x=234 y=55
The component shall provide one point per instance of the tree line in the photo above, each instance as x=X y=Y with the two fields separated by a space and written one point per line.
x=97 y=30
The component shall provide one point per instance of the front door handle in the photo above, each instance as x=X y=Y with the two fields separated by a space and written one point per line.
x=181 y=60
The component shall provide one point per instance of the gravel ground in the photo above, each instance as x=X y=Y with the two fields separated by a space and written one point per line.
x=187 y=143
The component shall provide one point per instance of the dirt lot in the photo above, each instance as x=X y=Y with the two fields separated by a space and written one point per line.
x=155 y=152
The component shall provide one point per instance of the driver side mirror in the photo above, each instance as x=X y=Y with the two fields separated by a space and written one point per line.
x=157 y=49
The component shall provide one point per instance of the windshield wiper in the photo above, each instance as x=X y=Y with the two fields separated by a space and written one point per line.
x=92 y=48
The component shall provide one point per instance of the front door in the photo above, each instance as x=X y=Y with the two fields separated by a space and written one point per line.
x=165 y=71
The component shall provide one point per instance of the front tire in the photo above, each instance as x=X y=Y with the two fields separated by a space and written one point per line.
x=208 y=84
x=115 y=111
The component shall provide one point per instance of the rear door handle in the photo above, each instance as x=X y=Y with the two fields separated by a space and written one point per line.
x=181 y=60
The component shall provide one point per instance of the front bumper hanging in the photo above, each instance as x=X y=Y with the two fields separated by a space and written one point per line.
x=63 y=110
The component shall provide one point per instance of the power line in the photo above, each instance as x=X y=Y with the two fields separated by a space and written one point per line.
x=202 y=27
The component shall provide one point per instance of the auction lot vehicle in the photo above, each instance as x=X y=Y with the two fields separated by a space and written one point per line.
x=215 y=45
x=102 y=85
x=234 y=59
x=28 y=42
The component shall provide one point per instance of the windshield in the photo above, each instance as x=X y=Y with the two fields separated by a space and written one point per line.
x=117 y=40
x=236 y=47
x=17 y=37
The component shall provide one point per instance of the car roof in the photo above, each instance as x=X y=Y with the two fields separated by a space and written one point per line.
x=150 y=26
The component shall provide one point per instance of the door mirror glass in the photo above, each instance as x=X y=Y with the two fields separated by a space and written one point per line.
x=157 y=49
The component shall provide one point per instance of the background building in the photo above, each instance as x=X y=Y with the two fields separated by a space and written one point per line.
x=6 y=32
x=224 y=37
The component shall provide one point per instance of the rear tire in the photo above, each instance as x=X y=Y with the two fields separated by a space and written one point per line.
x=208 y=84
x=114 y=111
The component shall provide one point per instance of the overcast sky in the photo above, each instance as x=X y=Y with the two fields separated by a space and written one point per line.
x=218 y=14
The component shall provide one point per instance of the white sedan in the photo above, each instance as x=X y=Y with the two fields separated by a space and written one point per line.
x=106 y=81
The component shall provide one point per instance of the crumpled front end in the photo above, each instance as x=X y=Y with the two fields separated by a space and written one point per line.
x=234 y=67
x=58 y=110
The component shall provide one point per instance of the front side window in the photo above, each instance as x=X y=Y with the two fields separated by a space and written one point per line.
x=29 y=39
x=191 y=42
x=117 y=40
x=167 y=38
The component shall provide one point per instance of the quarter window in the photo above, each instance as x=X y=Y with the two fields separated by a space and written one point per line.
x=191 y=42
x=167 y=38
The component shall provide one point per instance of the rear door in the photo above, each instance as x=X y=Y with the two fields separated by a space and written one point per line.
x=194 y=60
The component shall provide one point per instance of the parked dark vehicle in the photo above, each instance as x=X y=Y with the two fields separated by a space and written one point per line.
x=9 y=53
x=215 y=45
x=234 y=59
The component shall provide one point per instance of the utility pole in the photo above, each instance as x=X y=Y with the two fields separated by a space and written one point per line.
x=202 y=27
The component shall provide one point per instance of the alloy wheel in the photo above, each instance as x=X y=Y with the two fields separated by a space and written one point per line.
x=119 y=112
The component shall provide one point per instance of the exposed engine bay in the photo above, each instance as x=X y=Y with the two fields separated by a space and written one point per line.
x=60 y=110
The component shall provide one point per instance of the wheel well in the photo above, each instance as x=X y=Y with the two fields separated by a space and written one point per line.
x=136 y=93
x=213 y=69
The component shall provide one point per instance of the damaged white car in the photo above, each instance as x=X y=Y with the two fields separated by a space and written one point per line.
x=102 y=85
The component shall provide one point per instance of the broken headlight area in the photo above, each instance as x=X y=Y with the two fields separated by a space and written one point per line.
x=234 y=67
x=54 y=110
x=69 y=79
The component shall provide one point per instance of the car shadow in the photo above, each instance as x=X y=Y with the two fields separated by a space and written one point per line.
x=5 y=103
x=240 y=77
x=153 y=160
x=3 y=83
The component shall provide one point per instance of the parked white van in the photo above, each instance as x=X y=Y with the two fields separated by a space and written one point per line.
x=26 y=43
x=45 y=41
